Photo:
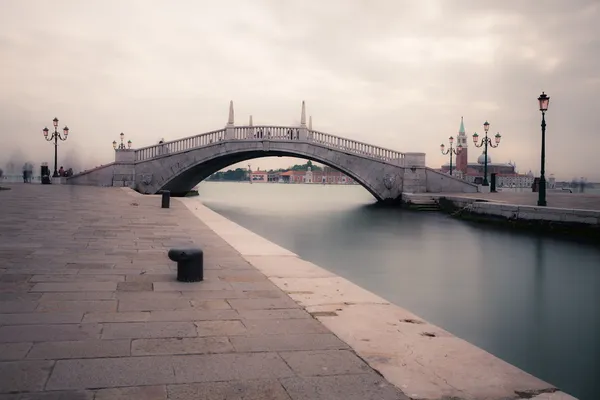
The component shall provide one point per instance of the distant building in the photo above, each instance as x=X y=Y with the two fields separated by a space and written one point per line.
x=259 y=176
x=506 y=174
x=328 y=176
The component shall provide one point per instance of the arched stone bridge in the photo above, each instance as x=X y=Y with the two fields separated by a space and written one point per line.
x=181 y=164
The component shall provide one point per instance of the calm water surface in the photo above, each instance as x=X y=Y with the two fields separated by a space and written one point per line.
x=532 y=301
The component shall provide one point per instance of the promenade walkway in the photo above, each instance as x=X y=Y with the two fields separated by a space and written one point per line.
x=578 y=201
x=90 y=309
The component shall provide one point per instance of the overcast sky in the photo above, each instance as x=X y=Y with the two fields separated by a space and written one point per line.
x=394 y=73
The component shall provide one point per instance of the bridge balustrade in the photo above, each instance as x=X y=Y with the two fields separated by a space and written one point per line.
x=279 y=133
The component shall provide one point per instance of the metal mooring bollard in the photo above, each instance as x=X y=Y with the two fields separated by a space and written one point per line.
x=190 y=264
x=166 y=198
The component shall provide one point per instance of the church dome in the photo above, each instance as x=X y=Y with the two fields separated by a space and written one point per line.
x=481 y=159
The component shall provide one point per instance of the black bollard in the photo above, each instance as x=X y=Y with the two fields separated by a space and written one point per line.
x=190 y=264
x=166 y=198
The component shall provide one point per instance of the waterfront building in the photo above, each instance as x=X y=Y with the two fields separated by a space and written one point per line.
x=259 y=176
x=506 y=173
x=327 y=176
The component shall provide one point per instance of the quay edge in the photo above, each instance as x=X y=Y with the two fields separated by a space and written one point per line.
x=421 y=359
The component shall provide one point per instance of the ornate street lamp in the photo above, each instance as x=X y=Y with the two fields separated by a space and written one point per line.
x=451 y=150
x=122 y=145
x=55 y=136
x=487 y=141
x=544 y=100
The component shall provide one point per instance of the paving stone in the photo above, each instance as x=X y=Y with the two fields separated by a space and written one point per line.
x=18 y=278
x=154 y=304
x=220 y=328
x=313 y=341
x=233 y=390
x=75 y=287
x=77 y=278
x=200 y=345
x=193 y=315
x=263 y=304
x=24 y=375
x=151 y=278
x=87 y=265
x=328 y=362
x=79 y=305
x=214 y=294
x=10 y=287
x=111 y=372
x=128 y=316
x=145 y=296
x=229 y=366
x=133 y=393
x=48 y=333
x=134 y=286
x=41 y=318
x=188 y=286
x=14 y=351
x=17 y=306
x=210 y=304
x=60 y=395
x=122 y=271
x=148 y=330
x=80 y=349
x=70 y=296
x=22 y=296
x=284 y=326
x=252 y=286
x=266 y=294
x=341 y=387
x=292 y=313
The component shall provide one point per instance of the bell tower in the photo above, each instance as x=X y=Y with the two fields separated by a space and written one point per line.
x=462 y=157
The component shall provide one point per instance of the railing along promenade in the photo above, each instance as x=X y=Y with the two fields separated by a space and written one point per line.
x=271 y=133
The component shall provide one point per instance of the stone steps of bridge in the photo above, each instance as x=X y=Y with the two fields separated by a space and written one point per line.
x=423 y=204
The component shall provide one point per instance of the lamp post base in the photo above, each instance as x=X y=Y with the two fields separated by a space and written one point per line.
x=55 y=174
x=541 y=203
x=485 y=183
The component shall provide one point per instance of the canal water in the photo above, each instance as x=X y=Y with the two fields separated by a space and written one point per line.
x=532 y=301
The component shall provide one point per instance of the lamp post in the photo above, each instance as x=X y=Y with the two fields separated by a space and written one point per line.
x=487 y=141
x=55 y=136
x=544 y=100
x=122 y=145
x=451 y=150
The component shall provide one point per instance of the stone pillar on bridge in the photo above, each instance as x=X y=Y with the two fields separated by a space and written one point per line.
x=250 y=123
x=124 y=168
x=303 y=129
x=229 y=128
x=310 y=123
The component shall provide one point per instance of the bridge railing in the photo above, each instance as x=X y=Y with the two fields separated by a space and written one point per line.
x=280 y=133
x=359 y=148
x=266 y=132
x=176 y=146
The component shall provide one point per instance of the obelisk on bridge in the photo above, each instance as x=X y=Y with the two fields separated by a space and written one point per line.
x=229 y=128
x=303 y=131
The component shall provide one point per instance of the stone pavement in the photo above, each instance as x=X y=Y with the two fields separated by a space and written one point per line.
x=90 y=309
x=578 y=201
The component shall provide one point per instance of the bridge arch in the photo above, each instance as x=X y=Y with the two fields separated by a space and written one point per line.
x=180 y=172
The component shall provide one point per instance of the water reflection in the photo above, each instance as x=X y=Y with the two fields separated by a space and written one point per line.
x=530 y=300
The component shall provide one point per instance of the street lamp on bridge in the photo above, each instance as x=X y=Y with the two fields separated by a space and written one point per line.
x=544 y=100
x=487 y=141
x=122 y=145
x=452 y=151
x=56 y=136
